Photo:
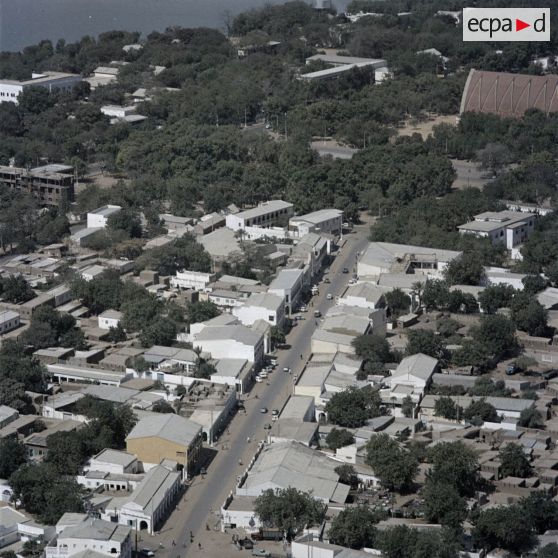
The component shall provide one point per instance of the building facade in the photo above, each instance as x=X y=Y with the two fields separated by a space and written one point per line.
x=50 y=184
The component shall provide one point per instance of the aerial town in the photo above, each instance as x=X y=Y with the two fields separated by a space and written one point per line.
x=285 y=291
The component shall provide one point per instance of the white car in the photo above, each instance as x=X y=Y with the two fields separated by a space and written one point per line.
x=263 y=374
x=329 y=296
x=259 y=379
x=287 y=369
x=303 y=309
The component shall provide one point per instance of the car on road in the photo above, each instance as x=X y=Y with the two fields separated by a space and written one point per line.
x=263 y=410
x=263 y=374
x=147 y=552
x=287 y=369
x=275 y=412
x=345 y=270
x=259 y=379
x=329 y=296
x=317 y=314
x=326 y=280
x=299 y=318
x=303 y=309
x=261 y=552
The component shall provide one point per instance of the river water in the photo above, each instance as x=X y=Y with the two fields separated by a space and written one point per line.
x=26 y=22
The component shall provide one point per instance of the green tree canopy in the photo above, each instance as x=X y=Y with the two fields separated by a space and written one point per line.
x=393 y=465
x=339 y=437
x=354 y=527
x=514 y=461
x=352 y=407
x=289 y=510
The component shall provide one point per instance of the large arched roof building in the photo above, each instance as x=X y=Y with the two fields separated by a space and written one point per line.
x=509 y=94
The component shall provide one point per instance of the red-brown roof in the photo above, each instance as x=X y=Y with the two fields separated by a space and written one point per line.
x=509 y=94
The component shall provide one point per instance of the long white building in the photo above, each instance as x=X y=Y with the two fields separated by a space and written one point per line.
x=11 y=89
x=267 y=214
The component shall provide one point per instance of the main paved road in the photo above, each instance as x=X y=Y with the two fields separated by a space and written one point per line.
x=206 y=496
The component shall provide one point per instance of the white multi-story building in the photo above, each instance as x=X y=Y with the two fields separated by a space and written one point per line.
x=149 y=504
x=262 y=306
x=98 y=218
x=322 y=221
x=502 y=227
x=10 y=89
x=235 y=341
x=97 y=535
x=288 y=285
x=195 y=280
x=267 y=214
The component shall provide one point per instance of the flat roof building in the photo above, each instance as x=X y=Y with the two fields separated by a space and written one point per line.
x=266 y=214
x=49 y=184
x=11 y=89
x=501 y=227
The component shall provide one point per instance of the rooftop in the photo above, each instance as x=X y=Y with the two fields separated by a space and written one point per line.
x=386 y=254
x=239 y=333
x=316 y=217
x=286 y=279
x=264 y=208
x=265 y=300
x=491 y=220
x=96 y=529
x=169 y=427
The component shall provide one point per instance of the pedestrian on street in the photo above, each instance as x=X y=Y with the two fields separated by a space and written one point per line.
x=199 y=546
x=173 y=543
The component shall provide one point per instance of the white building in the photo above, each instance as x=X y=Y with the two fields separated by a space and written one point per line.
x=99 y=217
x=503 y=227
x=195 y=280
x=92 y=272
x=236 y=341
x=8 y=320
x=267 y=214
x=103 y=537
x=10 y=519
x=386 y=257
x=364 y=295
x=262 y=306
x=109 y=318
x=115 y=462
x=339 y=65
x=328 y=221
x=10 y=89
x=149 y=504
x=411 y=378
x=288 y=285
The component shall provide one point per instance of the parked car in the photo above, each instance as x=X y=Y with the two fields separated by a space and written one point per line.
x=261 y=552
x=275 y=412
x=263 y=410
x=317 y=314
x=303 y=309
x=263 y=374
x=326 y=280
x=147 y=552
x=259 y=379
x=329 y=296
x=345 y=270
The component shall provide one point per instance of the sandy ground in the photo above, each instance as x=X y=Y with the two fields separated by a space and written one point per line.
x=425 y=128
